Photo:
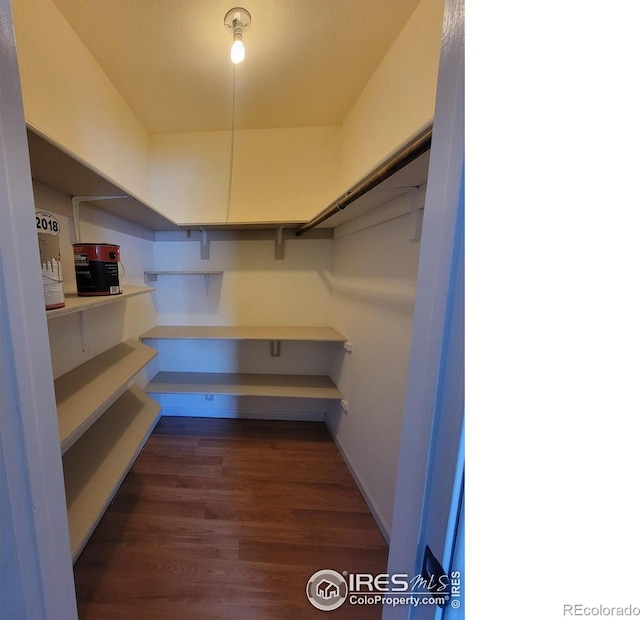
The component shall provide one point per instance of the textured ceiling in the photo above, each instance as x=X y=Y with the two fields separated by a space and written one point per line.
x=306 y=63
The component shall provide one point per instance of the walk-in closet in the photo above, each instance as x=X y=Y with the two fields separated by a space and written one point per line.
x=225 y=417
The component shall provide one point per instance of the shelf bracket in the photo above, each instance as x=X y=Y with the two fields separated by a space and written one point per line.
x=418 y=195
x=81 y=329
x=206 y=283
x=280 y=243
x=275 y=348
x=75 y=211
x=204 y=245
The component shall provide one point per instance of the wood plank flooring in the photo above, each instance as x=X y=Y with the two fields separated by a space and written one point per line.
x=228 y=519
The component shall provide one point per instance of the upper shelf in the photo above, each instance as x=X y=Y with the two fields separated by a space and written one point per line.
x=74 y=303
x=413 y=175
x=152 y=276
x=53 y=167
x=405 y=170
x=209 y=332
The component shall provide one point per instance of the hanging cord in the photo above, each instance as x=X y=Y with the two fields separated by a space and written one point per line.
x=233 y=140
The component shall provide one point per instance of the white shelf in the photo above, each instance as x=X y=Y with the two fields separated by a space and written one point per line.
x=407 y=178
x=53 y=166
x=205 y=332
x=84 y=393
x=152 y=276
x=75 y=303
x=239 y=384
x=96 y=465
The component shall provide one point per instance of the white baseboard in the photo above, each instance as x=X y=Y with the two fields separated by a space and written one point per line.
x=385 y=529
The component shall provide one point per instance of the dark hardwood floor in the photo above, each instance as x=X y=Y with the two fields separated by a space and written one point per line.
x=228 y=519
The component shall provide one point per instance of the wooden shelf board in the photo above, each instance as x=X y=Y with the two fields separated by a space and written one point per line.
x=239 y=384
x=54 y=166
x=205 y=332
x=96 y=465
x=84 y=393
x=182 y=273
x=75 y=303
x=152 y=276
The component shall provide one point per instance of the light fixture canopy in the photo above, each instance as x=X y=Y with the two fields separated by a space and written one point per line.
x=237 y=20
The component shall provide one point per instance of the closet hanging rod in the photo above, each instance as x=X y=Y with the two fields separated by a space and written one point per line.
x=416 y=147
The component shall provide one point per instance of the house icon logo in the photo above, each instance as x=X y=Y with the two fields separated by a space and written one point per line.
x=327 y=590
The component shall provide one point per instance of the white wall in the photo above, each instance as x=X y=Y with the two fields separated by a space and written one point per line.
x=68 y=98
x=399 y=98
x=255 y=289
x=190 y=176
x=74 y=340
x=283 y=174
x=373 y=289
x=278 y=174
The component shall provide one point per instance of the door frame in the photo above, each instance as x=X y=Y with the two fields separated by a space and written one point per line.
x=37 y=570
x=442 y=234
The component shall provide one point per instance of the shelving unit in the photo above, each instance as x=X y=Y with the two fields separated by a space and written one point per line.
x=75 y=303
x=242 y=384
x=245 y=384
x=51 y=165
x=103 y=420
x=97 y=463
x=152 y=276
x=86 y=392
x=211 y=332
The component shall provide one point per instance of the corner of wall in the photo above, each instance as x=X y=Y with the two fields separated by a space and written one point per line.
x=385 y=528
x=399 y=99
x=69 y=99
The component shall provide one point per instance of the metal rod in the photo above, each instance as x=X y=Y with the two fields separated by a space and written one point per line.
x=419 y=145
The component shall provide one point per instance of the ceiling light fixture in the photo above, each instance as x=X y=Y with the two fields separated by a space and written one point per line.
x=237 y=20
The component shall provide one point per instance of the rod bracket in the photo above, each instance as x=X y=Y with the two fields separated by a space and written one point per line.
x=418 y=195
x=204 y=244
x=279 y=255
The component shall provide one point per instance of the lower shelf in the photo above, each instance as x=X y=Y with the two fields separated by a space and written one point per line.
x=95 y=466
x=238 y=384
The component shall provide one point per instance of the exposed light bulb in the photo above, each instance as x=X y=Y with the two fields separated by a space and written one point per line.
x=237 y=20
x=237 y=51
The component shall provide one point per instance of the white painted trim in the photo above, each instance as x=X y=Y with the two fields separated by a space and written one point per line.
x=442 y=228
x=384 y=527
x=28 y=421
